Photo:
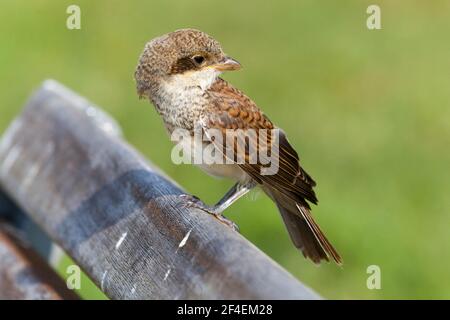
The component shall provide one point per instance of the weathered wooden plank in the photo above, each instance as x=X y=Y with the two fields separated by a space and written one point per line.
x=122 y=220
x=33 y=234
x=24 y=274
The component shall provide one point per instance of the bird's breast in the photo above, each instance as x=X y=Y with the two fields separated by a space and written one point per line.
x=180 y=107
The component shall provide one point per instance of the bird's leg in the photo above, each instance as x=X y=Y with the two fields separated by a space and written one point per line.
x=194 y=202
x=237 y=191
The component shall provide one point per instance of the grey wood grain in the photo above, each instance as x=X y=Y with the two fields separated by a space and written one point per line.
x=64 y=162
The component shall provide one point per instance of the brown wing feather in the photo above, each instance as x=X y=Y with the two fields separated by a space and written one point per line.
x=234 y=110
x=290 y=187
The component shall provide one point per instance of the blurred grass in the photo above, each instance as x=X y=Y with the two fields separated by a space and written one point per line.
x=368 y=111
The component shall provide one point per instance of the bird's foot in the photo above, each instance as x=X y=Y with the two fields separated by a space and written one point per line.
x=191 y=201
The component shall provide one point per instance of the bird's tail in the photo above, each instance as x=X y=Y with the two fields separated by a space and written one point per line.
x=305 y=233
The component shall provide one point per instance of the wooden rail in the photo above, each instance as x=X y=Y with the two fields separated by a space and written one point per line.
x=24 y=274
x=64 y=163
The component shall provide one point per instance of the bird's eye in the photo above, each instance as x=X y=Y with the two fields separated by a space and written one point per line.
x=199 y=59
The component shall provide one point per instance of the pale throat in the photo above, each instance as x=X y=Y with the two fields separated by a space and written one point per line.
x=180 y=98
x=203 y=79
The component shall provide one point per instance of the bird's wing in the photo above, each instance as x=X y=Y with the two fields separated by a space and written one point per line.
x=290 y=186
x=231 y=109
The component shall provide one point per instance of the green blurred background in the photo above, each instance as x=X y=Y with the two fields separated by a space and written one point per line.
x=367 y=110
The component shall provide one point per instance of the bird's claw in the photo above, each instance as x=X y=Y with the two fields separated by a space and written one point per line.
x=191 y=201
x=224 y=220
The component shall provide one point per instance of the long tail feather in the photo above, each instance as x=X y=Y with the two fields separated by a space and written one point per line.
x=303 y=230
x=319 y=236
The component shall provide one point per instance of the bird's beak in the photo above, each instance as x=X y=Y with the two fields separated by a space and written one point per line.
x=227 y=64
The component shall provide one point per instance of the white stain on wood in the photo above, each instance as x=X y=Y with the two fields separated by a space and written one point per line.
x=102 y=282
x=122 y=238
x=29 y=177
x=7 y=138
x=10 y=159
x=167 y=273
x=184 y=240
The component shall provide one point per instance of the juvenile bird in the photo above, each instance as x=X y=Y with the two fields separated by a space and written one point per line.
x=179 y=73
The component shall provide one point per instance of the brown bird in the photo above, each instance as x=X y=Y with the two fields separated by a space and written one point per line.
x=179 y=73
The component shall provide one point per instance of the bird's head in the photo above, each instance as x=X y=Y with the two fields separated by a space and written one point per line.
x=185 y=55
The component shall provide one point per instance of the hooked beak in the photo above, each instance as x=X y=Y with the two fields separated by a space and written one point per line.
x=227 y=64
